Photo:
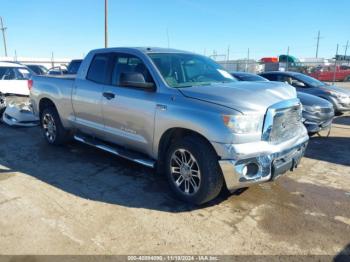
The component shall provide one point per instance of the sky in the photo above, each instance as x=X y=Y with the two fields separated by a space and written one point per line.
x=70 y=28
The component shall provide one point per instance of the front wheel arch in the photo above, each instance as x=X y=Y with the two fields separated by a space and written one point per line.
x=211 y=180
x=169 y=137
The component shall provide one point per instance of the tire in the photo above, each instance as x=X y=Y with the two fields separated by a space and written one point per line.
x=52 y=128
x=205 y=172
x=2 y=110
x=312 y=134
x=2 y=104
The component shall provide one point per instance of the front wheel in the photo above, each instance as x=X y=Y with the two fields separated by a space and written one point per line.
x=193 y=170
x=52 y=128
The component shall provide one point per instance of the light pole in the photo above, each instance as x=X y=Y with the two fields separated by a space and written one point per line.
x=3 y=29
x=106 y=23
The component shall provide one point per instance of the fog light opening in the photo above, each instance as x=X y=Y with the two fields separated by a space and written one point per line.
x=251 y=170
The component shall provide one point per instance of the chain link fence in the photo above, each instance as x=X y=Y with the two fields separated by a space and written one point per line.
x=325 y=70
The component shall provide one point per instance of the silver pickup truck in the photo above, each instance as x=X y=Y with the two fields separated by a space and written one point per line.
x=178 y=112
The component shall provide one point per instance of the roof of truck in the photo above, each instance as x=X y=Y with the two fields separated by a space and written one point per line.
x=146 y=50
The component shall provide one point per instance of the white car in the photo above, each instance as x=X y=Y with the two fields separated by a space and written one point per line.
x=14 y=79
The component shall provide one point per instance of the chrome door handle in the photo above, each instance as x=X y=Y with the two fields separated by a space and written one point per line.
x=108 y=95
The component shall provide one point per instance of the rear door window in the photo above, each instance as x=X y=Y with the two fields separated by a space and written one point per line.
x=98 y=71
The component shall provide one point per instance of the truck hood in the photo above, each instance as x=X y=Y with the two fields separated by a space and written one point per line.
x=245 y=97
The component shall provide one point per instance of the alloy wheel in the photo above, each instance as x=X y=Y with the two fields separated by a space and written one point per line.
x=49 y=127
x=185 y=172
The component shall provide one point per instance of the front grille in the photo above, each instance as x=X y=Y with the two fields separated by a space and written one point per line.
x=286 y=124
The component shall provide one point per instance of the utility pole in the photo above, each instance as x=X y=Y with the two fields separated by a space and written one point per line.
x=287 y=59
x=106 y=23
x=335 y=64
x=52 y=60
x=228 y=53
x=318 y=42
x=246 y=65
x=3 y=29
x=346 y=48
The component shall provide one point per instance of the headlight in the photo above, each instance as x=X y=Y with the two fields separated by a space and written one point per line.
x=244 y=124
x=310 y=108
x=338 y=95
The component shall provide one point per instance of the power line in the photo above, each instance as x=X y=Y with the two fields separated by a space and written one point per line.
x=3 y=29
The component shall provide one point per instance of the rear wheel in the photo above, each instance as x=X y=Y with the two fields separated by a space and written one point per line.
x=52 y=128
x=193 y=170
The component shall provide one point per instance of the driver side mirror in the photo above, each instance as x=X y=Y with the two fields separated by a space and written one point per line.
x=133 y=79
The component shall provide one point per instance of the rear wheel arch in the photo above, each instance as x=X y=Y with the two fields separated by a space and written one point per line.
x=45 y=103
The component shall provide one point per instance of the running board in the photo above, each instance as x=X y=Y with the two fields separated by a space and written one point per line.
x=132 y=156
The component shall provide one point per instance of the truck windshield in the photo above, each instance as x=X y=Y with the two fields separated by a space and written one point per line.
x=186 y=70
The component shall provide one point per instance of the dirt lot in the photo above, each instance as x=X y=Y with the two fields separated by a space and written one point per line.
x=78 y=200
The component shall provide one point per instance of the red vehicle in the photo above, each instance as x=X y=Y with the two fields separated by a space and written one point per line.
x=327 y=74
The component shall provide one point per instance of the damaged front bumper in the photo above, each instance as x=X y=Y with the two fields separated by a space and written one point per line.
x=259 y=162
x=19 y=115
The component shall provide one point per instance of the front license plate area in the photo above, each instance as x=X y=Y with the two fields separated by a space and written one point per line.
x=285 y=164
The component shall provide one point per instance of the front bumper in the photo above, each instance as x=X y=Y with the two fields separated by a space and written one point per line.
x=19 y=115
x=314 y=127
x=316 y=121
x=341 y=105
x=262 y=162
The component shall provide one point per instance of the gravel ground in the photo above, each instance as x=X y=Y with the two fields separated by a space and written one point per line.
x=79 y=200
